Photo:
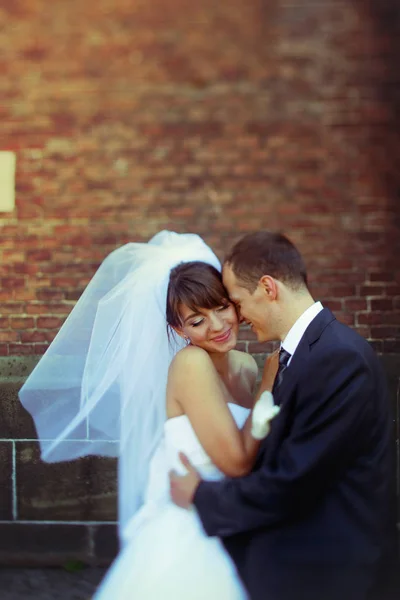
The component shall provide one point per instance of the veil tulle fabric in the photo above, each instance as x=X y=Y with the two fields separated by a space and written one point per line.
x=100 y=388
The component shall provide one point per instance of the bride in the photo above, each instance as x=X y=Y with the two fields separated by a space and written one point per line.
x=145 y=368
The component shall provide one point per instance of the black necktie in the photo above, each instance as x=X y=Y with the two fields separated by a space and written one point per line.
x=283 y=363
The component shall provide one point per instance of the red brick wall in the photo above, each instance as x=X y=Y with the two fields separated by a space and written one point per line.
x=131 y=116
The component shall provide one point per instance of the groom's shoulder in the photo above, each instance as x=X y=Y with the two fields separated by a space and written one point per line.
x=341 y=334
x=339 y=338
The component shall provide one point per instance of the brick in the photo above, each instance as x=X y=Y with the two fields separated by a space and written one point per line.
x=381 y=304
x=9 y=336
x=34 y=336
x=52 y=295
x=38 y=255
x=10 y=283
x=333 y=304
x=382 y=276
x=340 y=290
x=242 y=346
x=22 y=322
x=49 y=322
x=258 y=348
x=372 y=290
x=385 y=331
x=49 y=308
x=24 y=294
x=13 y=256
x=22 y=349
x=25 y=268
x=367 y=318
x=246 y=334
x=391 y=317
x=392 y=289
x=355 y=304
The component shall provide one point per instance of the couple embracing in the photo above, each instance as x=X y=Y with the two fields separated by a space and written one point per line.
x=145 y=368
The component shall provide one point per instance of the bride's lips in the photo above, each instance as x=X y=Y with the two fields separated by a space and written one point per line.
x=224 y=337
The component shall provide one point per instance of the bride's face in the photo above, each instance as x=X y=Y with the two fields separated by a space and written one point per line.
x=213 y=329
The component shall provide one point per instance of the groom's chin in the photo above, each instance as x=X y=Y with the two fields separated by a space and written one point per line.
x=262 y=337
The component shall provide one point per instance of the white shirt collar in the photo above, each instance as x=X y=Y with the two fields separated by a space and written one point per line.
x=296 y=332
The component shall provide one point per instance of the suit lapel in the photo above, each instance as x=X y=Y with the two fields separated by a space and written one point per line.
x=285 y=394
x=293 y=372
x=301 y=355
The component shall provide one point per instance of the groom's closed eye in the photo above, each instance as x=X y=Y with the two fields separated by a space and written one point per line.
x=238 y=312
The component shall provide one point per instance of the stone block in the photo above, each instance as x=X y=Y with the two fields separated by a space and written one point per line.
x=105 y=543
x=80 y=490
x=16 y=422
x=38 y=544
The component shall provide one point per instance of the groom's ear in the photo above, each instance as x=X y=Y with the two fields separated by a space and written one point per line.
x=269 y=286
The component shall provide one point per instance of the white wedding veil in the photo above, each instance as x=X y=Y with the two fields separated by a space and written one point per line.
x=100 y=387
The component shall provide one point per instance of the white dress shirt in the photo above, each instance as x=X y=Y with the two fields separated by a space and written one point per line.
x=296 y=332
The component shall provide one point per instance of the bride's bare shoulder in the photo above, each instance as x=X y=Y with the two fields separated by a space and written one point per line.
x=190 y=357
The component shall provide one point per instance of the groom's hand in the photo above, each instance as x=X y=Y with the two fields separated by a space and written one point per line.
x=183 y=487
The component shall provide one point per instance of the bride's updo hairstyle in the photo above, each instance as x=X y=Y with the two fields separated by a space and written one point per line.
x=196 y=284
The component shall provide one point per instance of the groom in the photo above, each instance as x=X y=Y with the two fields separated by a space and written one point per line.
x=309 y=521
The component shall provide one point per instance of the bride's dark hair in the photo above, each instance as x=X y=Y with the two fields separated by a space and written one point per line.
x=196 y=284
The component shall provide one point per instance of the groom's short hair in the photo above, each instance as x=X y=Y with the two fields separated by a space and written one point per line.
x=267 y=253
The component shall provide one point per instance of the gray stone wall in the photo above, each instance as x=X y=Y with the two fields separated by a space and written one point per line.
x=49 y=513
x=53 y=513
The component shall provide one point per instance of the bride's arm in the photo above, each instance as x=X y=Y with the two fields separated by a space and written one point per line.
x=195 y=385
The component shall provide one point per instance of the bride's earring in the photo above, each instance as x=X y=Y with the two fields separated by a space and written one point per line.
x=186 y=339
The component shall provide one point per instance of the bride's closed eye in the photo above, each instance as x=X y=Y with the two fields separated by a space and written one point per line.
x=197 y=323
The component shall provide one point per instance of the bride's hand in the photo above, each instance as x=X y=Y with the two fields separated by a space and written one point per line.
x=183 y=487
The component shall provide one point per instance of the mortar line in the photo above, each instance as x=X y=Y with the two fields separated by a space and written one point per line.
x=38 y=522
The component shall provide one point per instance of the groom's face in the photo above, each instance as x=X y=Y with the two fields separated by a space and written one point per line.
x=254 y=307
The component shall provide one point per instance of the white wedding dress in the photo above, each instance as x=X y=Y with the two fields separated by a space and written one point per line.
x=165 y=554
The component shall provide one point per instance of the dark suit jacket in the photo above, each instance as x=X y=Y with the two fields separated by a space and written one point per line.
x=309 y=520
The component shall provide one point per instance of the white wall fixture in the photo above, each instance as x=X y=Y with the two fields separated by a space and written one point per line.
x=7 y=181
